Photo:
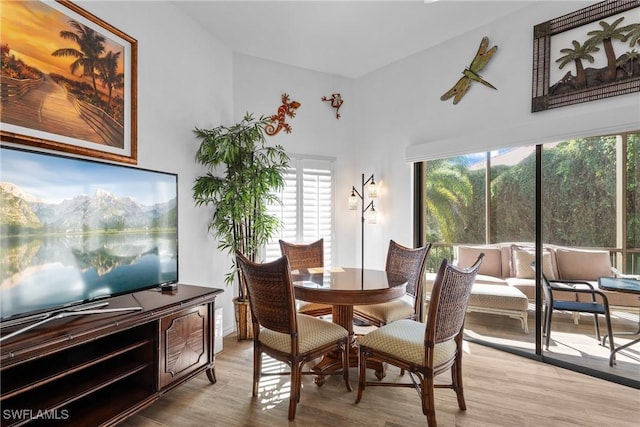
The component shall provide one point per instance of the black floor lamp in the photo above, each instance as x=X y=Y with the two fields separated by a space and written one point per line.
x=369 y=209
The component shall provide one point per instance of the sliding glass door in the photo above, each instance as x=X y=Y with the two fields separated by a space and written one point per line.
x=587 y=196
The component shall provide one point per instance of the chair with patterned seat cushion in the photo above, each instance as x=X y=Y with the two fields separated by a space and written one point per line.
x=306 y=256
x=281 y=332
x=425 y=349
x=409 y=263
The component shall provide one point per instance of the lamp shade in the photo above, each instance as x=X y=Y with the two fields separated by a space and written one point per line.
x=353 y=201
x=372 y=216
x=372 y=189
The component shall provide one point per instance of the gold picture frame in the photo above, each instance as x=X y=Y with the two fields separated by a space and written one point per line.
x=578 y=38
x=69 y=81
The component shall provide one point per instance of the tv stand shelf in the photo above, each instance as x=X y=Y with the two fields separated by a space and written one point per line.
x=99 y=369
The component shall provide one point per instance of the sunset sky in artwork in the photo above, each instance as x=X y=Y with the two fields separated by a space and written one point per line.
x=32 y=31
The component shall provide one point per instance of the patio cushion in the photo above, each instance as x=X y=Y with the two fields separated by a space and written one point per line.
x=522 y=260
x=526 y=286
x=497 y=296
x=577 y=264
x=526 y=272
x=491 y=265
x=490 y=280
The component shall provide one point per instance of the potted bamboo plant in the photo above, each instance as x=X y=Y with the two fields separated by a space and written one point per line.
x=244 y=174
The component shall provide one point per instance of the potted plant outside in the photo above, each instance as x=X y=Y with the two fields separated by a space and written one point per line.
x=244 y=174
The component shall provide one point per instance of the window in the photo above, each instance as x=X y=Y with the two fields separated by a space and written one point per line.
x=586 y=196
x=586 y=181
x=306 y=212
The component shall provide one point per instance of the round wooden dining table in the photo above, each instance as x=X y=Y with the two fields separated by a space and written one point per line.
x=343 y=288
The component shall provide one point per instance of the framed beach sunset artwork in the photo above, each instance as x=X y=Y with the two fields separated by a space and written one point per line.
x=68 y=81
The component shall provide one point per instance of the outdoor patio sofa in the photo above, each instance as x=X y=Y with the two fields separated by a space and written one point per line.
x=506 y=283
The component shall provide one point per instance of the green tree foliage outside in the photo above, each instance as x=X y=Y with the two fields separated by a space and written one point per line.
x=449 y=192
x=579 y=197
x=476 y=233
x=513 y=202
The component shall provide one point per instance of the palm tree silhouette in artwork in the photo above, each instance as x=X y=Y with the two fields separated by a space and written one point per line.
x=91 y=46
x=633 y=34
x=108 y=74
x=604 y=36
x=577 y=55
x=627 y=60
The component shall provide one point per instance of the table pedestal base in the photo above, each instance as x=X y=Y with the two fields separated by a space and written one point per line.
x=331 y=363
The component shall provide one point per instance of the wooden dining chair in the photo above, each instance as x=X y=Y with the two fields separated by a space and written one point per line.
x=407 y=262
x=306 y=256
x=281 y=332
x=425 y=349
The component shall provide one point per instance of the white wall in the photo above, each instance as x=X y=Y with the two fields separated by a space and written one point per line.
x=257 y=87
x=394 y=116
x=187 y=79
x=411 y=123
x=184 y=81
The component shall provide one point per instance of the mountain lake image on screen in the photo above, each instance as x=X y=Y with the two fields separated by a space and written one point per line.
x=75 y=230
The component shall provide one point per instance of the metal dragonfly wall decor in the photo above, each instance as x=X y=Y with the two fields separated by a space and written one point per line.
x=471 y=73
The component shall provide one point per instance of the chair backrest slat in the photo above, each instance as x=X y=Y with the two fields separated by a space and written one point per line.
x=303 y=255
x=271 y=294
x=449 y=299
x=408 y=262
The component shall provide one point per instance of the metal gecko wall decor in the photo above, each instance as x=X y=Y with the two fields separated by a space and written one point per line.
x=336 y=102
x=278 y=121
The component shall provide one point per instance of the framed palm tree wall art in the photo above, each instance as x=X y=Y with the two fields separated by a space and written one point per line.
x=68 y=81
x=592 y=53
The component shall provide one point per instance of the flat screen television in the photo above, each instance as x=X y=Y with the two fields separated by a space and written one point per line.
x=74 y=231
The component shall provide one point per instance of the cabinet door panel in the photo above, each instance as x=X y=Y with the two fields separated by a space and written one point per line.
x=184 y=344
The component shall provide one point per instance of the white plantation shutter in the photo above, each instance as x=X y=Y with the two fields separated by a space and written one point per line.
x=287 y=215
x=317 y=211
x=306 y=214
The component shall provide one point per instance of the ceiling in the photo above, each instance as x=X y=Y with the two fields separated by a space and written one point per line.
x=346 y=38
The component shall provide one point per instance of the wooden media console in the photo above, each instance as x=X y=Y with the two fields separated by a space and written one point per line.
x=99 y=369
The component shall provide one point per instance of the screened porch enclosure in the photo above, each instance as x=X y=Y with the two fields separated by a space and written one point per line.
x=590 y=202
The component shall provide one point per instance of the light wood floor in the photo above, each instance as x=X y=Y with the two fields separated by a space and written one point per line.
x=570 y=342
x=501 y=389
